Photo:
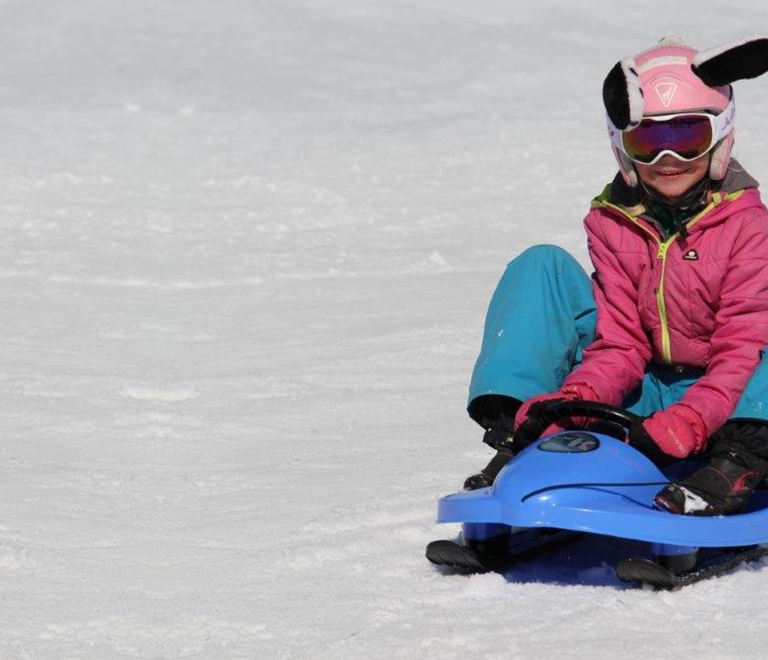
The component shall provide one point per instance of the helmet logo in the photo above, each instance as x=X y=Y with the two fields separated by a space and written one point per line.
x=666 y=92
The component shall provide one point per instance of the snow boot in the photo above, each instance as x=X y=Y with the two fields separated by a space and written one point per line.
x=496 y=414
x=488 y=474
x=721 y=488
x=737 y=458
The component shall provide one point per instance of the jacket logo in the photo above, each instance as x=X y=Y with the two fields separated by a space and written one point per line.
x=666 y=92
x=691 y=255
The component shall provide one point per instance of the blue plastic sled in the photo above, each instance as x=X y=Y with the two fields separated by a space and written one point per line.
x=584 y=481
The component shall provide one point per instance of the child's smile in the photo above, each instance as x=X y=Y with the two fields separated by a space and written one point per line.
x=672 y=177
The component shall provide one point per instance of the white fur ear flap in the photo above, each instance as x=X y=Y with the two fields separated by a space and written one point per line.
x=721 y=156
x=721 y=66
x=623 y=96
x=627 y=168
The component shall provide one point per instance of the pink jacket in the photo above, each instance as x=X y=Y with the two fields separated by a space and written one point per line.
x=697 y=301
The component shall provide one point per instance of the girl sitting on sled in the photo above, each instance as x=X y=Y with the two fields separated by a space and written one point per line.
x=674 y=321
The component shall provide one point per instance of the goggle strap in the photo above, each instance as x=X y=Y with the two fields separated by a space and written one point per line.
x=724 y=121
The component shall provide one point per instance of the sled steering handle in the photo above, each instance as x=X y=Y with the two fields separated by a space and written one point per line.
x=551 y=412
x=557 y=410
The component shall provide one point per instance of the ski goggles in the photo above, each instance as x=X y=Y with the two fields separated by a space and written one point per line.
x=686 y=135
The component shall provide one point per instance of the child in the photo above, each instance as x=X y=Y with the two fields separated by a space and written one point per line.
x=674 y=324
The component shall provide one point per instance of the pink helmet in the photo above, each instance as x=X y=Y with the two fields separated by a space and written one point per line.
x=672 y=77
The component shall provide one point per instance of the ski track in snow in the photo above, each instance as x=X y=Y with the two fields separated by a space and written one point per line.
x=247 y=249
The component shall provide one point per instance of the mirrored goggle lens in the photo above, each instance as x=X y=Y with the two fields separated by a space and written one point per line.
x=688 y=136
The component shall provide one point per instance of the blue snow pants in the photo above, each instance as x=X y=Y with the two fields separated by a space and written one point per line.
x=542 y=316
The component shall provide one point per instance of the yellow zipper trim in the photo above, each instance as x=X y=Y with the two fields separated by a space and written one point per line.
x=717 y=198
x=666 y=342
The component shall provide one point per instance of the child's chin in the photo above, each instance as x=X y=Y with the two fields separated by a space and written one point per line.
x=674 y=186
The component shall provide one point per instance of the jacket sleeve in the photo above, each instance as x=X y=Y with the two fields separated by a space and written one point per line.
x=614 y=363
x=741 y=327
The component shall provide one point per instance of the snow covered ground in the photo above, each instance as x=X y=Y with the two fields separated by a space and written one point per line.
x=246 y=252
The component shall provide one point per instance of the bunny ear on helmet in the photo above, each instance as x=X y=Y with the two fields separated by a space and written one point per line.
x=623 y=95
x=718 y=67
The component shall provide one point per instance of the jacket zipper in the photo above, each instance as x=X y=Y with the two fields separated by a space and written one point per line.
x=666 y=343
x=717 y=198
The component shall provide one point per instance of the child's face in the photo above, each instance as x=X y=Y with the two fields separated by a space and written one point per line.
x=672 y=177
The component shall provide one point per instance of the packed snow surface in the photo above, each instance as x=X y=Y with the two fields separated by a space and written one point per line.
x=246 y=252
